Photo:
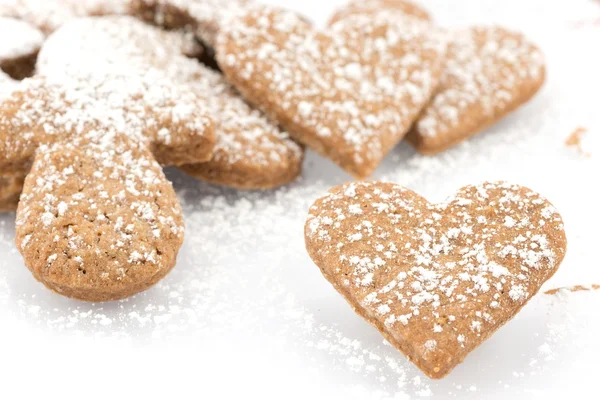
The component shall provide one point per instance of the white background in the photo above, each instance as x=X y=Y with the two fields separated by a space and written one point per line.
x=246 y=314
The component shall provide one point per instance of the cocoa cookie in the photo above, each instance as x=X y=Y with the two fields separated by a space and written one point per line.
x=49 y=15
x=203 y=17
x=350 y=93
x=97 y=219
x=19 y=47
x=250 y=153
x=489 y=72
x=435 y=279
x=371 y=7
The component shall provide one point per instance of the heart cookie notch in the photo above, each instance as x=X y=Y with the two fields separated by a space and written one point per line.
x=435 y=279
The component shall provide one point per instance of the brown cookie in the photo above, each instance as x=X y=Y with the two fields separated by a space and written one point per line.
x=250 y=153
x=7 y=84
x=19 y=47
x=97 y=219
x=350 y=93
x=10 y=190
x=435 y=279
x=203 y=17
x=49 y=15
x=489 y=72
x=372 y=7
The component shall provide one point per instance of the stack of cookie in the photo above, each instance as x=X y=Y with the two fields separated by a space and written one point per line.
x=114 y=98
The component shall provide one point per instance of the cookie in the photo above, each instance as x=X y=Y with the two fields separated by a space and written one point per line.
x=97 y=219
x=203 y=17
x=435 y=279
x=350 y=93
x=19 y=47
x=10 y=189
x=372 y=7
x=489 y=72
x=49 y=15
x=250 y=153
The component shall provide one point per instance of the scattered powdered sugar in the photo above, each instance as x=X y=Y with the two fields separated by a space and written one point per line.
x=243 y=269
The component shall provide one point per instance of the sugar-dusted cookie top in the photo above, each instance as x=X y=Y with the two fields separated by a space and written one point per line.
x=250 y=151
x=49 y=15
x=489 y=72
x=350 y=93
x=435 y=279
x=97 y=219
x=371 y=7
x=204 y=17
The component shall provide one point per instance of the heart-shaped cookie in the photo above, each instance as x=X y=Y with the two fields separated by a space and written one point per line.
x=435 y=279
x=350 y=93
x=489 y=72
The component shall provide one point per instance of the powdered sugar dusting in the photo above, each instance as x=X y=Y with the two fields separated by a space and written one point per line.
x=24 y=39
x=488 y=69
x=436 y=268
x=245 y=138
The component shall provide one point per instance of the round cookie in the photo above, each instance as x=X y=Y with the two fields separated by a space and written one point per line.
x=351 y=92
x=19 y=47
x=435 y=279
x=371 y=7
x=97 y=219
x=489 y=72
x=250 y=153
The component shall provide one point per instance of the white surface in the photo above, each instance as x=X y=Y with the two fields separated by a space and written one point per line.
x=246 y=314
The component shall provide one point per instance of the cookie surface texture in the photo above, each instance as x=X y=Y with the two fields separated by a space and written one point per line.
x=435 y=279
x=97 y=219
x=372 y=7
x=250 y=152
x=350 y=93
x=19 y=47
x=489 y=72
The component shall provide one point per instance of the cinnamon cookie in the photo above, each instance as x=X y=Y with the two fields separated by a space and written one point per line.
x=489 y=72
x=350 y=93
x=371 y=7
x=19 y=47
x=250 y=153
x=435 y=279
x=97 y=219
